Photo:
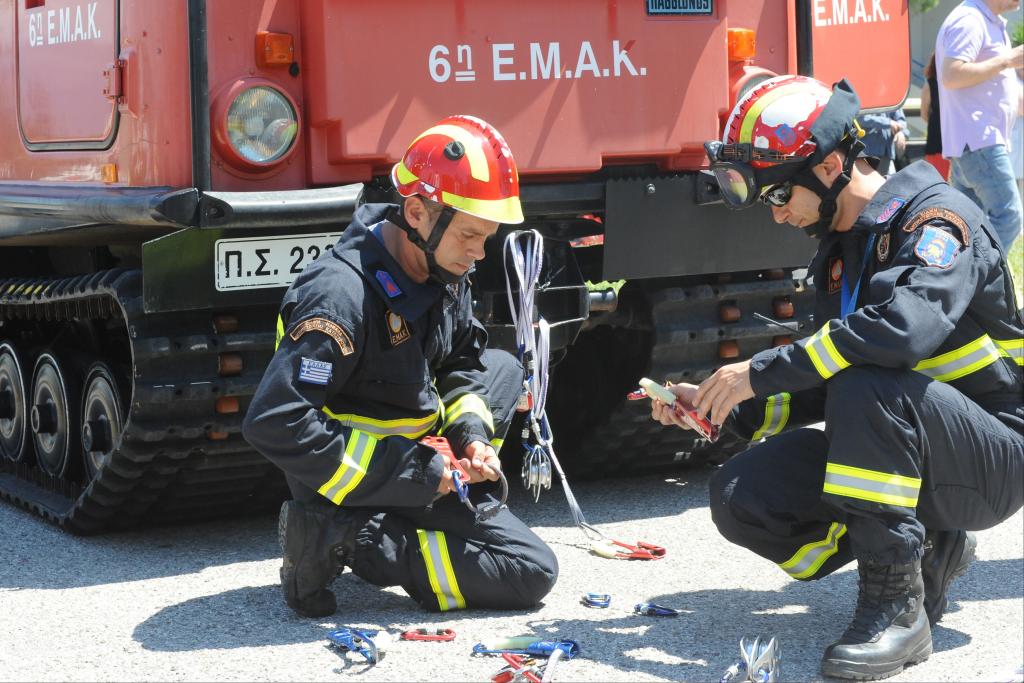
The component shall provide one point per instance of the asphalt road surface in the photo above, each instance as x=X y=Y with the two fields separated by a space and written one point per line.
x=203 y=603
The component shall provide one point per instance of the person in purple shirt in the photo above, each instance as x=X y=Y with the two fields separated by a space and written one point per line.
x=980 y=97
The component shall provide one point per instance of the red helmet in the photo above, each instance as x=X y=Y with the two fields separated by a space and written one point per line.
x=783 y=125
x=465 y=163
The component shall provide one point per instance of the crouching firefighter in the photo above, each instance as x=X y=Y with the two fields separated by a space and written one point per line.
x=915 y=369
x=377 y=349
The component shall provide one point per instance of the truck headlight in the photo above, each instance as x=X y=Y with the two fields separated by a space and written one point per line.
x=255 y=125
x=261 y=124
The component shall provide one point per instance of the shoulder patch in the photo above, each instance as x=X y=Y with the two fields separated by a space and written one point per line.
x=331 y=329
x=894 y=205
x=835 y=274
x=936 y=247
x=398 y=331
x=882 y=250
x=944 y=214
x=391 y=287
x=314 y=371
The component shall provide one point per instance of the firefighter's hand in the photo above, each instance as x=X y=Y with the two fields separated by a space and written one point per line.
x=481 y=462
x=724 y=390
x=664 y=414
x=447 y=484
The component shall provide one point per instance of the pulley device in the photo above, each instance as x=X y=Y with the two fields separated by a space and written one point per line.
x=460 y=477
x=524 y=257
x=370 y=644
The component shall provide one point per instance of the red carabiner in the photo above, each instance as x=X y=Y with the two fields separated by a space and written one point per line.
x=518 y=666
x=442 y=635
x=641 y=551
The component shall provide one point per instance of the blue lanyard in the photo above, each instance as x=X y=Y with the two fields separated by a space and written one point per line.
x=849 y=302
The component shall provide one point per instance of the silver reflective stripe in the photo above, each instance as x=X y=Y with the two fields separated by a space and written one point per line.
x=434 y=549
x=823 y=354
x=353 y=467
x=969 y=358
x=808 y=560
x=1014 y=348
x=896 y=490
x=776 y=416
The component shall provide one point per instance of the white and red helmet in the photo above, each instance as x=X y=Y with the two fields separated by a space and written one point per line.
x=782 y=126
x=462 y=162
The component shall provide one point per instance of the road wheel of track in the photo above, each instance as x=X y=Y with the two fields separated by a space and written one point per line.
x=54 y=417
x=102 y=418
x=13 y=406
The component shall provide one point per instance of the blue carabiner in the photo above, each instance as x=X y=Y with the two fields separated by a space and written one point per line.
x=649 y=609
x=358 y=641
x=600 y=600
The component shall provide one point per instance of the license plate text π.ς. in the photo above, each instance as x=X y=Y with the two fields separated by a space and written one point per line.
x=259 y=262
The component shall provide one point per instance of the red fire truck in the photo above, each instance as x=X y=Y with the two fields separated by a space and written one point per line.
x=166 y=168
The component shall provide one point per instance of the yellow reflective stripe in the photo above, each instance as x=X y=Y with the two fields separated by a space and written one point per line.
x=280 y=333
x=747 y=129
x=434 y=549
x=410 y=428
x=823 y=353
x=958 y=363
x=776 y=415
x=467 y=403
x=808 y=560
x=354 y=464
x=475 y=153
x=878 y=487
x=496 y=444
x=1012 y=349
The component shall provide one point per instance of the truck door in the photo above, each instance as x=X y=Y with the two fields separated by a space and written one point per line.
x=67 y=80
x=865 y=41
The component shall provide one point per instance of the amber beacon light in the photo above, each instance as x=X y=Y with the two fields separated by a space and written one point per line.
x=742 y=44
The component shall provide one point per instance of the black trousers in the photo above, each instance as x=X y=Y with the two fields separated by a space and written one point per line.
x=441 y=555
x=772 y=499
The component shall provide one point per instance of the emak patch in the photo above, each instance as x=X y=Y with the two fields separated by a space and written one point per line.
x=398 y=330
x=894 y=205
x=937 y=247
x=314 y=371
x=328 y=327
x=835 y=274
x=391 y=287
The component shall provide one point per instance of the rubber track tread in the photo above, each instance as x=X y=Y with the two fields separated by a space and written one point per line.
x=161 y=471
x=687 y=332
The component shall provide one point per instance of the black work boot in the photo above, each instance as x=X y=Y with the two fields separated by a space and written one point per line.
x=317 y=543
x=889 y=629
x=947 y=554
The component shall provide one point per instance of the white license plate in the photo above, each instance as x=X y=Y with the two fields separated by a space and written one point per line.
x=259 y=262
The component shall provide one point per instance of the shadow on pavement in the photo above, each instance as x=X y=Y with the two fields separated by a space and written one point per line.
x=697 y=645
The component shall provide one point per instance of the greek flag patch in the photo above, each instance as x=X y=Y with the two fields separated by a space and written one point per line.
x=315 y=371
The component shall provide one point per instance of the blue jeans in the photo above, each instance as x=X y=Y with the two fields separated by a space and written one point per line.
x=986 y=176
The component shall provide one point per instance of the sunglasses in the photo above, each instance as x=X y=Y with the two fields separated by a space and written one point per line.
x=778 y=195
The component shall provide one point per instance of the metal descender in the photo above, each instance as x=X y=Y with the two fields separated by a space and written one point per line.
x=759 y=662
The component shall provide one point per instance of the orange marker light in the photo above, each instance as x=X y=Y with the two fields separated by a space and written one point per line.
x=109 y=172
x=274 y=49
x=742 y=44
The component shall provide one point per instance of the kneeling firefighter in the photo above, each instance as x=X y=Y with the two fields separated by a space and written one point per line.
x=378 y=348
x=915 y=369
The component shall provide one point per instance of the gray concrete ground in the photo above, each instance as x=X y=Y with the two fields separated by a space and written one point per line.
x=202 y=603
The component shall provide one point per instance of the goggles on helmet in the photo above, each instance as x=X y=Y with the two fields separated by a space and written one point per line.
x=740 y=182
x=778 y=195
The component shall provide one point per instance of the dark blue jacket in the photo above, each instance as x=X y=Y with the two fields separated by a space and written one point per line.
x=368 y=362
x=936 y=297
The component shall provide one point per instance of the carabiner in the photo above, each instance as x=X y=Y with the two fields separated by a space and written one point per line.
x=442 y=635
x=641 y=551
x=597 y=600
x=649 y=609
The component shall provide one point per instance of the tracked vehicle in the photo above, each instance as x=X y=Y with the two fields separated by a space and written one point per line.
x=166 y=168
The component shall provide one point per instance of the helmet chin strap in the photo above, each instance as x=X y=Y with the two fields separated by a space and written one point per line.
x=828 y=195
x=435 y=272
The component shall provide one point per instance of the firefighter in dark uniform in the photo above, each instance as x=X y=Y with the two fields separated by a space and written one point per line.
x=915 y=369
x=378 y=348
